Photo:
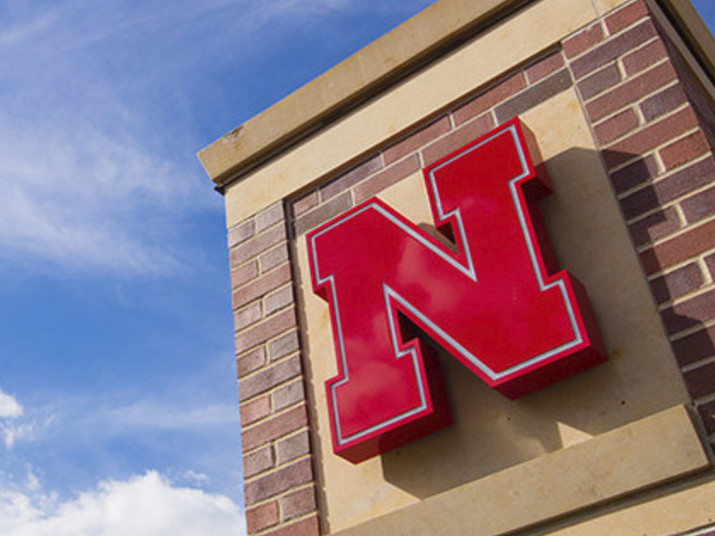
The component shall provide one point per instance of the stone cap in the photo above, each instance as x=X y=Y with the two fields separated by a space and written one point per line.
x=440 y=27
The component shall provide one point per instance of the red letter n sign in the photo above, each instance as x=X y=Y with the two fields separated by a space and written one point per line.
x=494 y=301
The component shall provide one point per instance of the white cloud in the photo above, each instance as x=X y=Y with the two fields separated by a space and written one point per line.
x=146 y=505
x=10 y=408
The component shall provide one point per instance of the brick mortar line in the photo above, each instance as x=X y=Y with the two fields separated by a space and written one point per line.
x=708 y=279
x=684 y=298
x=270 y=364
x=274 y=414
x=696 y=365
x=677 y=234
x=265 y=472
x=690 y=330
x=706 y=399
x=256 y=235
x=265 y=343
x=640 y=100
x=675 y=267
x=599 y=22
x=284 y=525
x=260 y=274
x=272 y=443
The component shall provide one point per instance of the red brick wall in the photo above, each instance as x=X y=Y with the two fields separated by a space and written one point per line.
x=651 y=123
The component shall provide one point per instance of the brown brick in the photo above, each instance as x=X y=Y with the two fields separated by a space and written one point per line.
x=288 y=395
x=270 y=216
x=707 y=412
x=251 y=361
x=634 y=174
x=258 y=244
x=244 y=274
x=267 y=329
x=699 y=206
x=690 y=313
x=710 y=263
x=416 y=140
x=654 y=226
x=293 y=447
x=677 y=283
x=680 y=248
x=610 y=50
x=670 y=188
x=268 y=430
x=247 y=316
x=351 y=177
x=278 y=300
x=278 y=481
x=701 y=381
x=323 y=213
x=305 y=203
x=456 y=139
x=273 y=258
x=489 y=98
x=616 y=126
x=644 y=57
x=261 y=517
x=536 y=94
x=583 y=40
x=626 y=16
x=283 y=345
x=240 y=232
x=385 y=178
x=599 y=81
x=305 y=527
x=298 y=503
x=544 y=67
x=261 y=286
x=648 y=138
x=663 y=102
x=684 y=150
x=630 y=92
x=255 y=410
x=258 y=461
x=695 y=346
x=269 y=377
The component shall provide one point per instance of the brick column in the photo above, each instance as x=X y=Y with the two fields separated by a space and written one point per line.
x=277 y=461
x=652 y=122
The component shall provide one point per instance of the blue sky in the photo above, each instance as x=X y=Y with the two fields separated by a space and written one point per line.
x=118 y=411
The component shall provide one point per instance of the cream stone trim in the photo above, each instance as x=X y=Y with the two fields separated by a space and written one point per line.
x=640 y=455
x=426 y=93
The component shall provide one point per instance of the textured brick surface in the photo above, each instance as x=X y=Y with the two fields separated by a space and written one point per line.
x=684 y=150
x=241 y=232
x=258 y=461
x=644 y=57
x=690 y=313
x=599 y=81
x=298 y=503
x=255 y=410
x=699 y=206
x=323 y=213
x=274 y=428
x=544 y=67
x=273 y=258
x=269 y=217
x=695 y=346
x=353 y=176
x=625 y=16
x=244 y=274
x=260 y=333
x=288 y=395
x=583 y=40
x=456 y=139
x=251 y=361
x=616 y=126
x=269 y=377
x=663 y=102
x=262 y=285
x=385 y=178
x=654 y=226
x=701 y=381
x=634 y=174
x=293 y=447
x=416 y=140
x=283 y=345
x=677 y=283
x=534 y=95
x=676 y=250
x=305 y=527
x=278 y=481
x=489 y=98
x=261 y=517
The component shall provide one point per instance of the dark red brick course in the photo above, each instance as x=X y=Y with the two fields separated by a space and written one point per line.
x=416 y=140
x=701 y=381
x=269 y=377
x=707 y=412
x=699 y=206
x=261 y=517
x=258 y=461
x=267 y=329
x=298 y=503
x=457 y=138
x=599 y=81
x=677 y=283
x=278 y=481
x=535 y=94
x=684 y=150
x=680 y=248
x=654 y=226
x=695 y=346
x=255 y=410
x=644 y=57
x=489 y=98
x=615 y=126
x=544 y=67
x=626 y=16
x=351 y=177
x=690 y=313
x=582 y=41
x=273 y=428
x=634 y=174
x=663 y=102
x=321 y=214
x=305 y=527
x=385 y=178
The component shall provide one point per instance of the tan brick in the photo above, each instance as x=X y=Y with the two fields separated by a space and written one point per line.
x=298 y=503
x=278 y=481
x=257 y=244
x=288 y=395
x=258 y=461
x=416 y=140
x=321 y=214
x=650 y=137
x=644 y=57
x=684 y=150
x=247 y=316
x=251 y=361
x=255 y=410
x=544 y=67
x=261 y=286
x=240 y=232
x=534 y=95
x=268 y=430
x=616 y=126
x=630 y=92
x=680 y=248
x=261 y=517
x=270 y=216
x=456 y=139
x=269 y=377
x=485 y=100
x=626 y=16
x=293 y=447
x=385 y=178
x=305 y=527
x=351 y=177
x=613 y=48
x=677 y=283
x=583 y=40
